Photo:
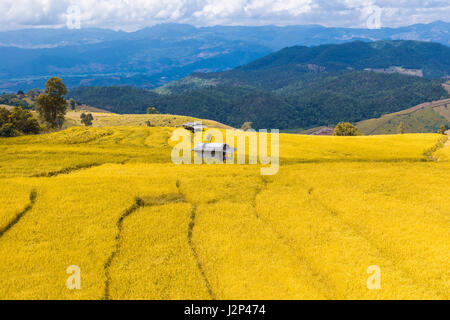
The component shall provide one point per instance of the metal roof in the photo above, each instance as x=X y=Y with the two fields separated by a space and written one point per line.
x=216 y=147
x=194 y=125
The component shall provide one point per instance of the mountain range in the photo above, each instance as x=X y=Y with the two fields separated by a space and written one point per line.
x=154 y=56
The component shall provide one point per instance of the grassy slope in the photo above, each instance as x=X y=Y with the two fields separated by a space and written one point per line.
x=337 y=206
x=103 y=119
x=426 y=117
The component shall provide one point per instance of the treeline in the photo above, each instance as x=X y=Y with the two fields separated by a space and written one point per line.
x=321 y=100
x=297 y=87
x=50 y=106
x=432 y=58
x=356 y=96
x=16 y=100
x=118 y=99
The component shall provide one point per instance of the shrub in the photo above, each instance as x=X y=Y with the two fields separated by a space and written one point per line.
x=87 y=119
x=16 y=122
x=346 y=129
x=152 y=110
x=7 y=130
x=246 y=126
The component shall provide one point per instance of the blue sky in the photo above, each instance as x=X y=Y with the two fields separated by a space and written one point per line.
x=135 y=14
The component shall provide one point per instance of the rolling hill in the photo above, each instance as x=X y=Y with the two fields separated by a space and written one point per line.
x=297 y=87
x=426 y=117
x=110 y=203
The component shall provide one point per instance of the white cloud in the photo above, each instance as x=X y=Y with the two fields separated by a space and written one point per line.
x=134 y=14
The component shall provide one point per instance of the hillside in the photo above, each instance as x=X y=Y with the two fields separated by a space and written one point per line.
x=107 y=119
x=426 y=117
x=295 y=88
x=432 y=59
x=110 y=201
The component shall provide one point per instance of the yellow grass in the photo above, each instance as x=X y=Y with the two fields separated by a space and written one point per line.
x=443 y=154
x=103 y=119
x=109 y=200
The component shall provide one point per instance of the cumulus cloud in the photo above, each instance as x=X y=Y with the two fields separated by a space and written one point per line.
x=134 y=14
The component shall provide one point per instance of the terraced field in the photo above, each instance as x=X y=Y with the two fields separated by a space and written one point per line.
x=109 y=200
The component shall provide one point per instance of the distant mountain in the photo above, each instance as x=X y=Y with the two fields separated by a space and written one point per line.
x=154 y=56
x=431 y=59
x=297 y=87
x=273 y=37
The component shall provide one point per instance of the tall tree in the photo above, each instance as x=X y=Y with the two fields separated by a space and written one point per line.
x=73 y=104
x=51 y=105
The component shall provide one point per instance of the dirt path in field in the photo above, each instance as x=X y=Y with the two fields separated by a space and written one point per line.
x=13 y=222
x=192 y=246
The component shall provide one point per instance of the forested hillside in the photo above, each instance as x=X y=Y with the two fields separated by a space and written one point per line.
x=297 y=87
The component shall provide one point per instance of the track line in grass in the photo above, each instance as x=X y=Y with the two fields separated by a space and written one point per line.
x=429 y=154
x=322 y=285
x=13 y=222
x=382 y=252
x=72 y=169
x=192 y=246
x=138 y=203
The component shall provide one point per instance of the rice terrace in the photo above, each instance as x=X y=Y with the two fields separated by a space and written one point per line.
x=215 y=158
x=109 y=201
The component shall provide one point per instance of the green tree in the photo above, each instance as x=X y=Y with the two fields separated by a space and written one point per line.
x=401 y=128
x=346 y=129
x=442 y=129
x=86 y=119
x=23 y=121
x=73 y=104
x=152 y=110
x=33 y=93
x=7 y=130
x=246 y=126
x=16 y=122
x=4 y=116
x=51 y=105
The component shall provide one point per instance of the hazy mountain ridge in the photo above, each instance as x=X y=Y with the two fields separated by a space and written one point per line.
x=154 y=56
x=271 y=36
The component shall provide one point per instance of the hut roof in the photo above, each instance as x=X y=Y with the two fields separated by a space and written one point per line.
x=216 y=147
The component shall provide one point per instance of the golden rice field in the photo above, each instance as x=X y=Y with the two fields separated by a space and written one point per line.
x=109 y=200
